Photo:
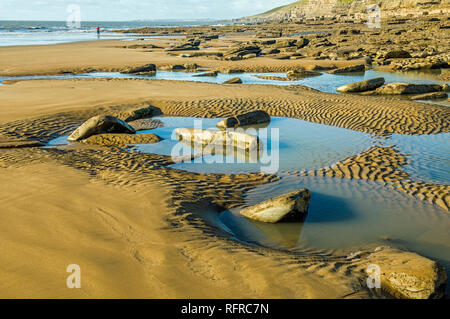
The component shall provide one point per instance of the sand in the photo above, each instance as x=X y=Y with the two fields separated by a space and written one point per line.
x=138 y=228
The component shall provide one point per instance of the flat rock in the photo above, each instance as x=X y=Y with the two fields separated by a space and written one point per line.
x=407 y=88
x=233 y=81
x=297 y=74
x=101 y=124
x=212 y=73
x=145 y=69
x=292 y=206
x=220 y=138
x=349 y=69
x=251 y=118
x=431 y=96
x=362 y=86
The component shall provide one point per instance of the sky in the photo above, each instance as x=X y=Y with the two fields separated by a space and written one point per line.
x=124 y=10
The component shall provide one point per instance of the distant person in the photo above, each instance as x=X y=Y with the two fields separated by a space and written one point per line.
x=98 y=31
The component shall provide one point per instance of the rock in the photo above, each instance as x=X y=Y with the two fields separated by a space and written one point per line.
x=408 y=275
x=284 y=44
x=186 y=46
x=252 y=118
x=430 y=96
x=233 y=81
x=349 y=69
x=100 y=124
x=219 y=138
x=243 y=50
x=121 y=139
x=172 y=67
x=407 y=88
x=233 y=71
x=292 y=206
x=146 y=124
x=398 y=54
x=190 y=66
x=300 y=73
x=362 y=86
x=145 y=69
x=132 y=115
x=212 y=73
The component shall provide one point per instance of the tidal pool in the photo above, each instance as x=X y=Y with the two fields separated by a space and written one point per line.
x=324 y=82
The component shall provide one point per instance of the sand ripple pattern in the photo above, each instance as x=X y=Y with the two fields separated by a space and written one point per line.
x=384 y=164
x=377 y=115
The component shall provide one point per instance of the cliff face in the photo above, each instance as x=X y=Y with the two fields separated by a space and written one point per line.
x=329 y=8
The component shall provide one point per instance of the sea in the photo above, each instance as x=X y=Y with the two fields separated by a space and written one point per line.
x=52 y=32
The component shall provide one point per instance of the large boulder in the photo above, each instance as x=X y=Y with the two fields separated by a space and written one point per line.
x=408 y=275
x=362 y=86
x=219 y=138
x=100 y=124
x=289 y=207
x=349 y=69
x=398 y=54
x=407 y=88
x=252 y=118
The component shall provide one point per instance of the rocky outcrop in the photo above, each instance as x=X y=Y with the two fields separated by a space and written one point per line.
x=252 y=118
x=101 y=124
x=191 y=44
x=219 y=138
x=290 y=207
x=362 y=86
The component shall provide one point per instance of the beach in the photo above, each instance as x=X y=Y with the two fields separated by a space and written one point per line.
x=140 y=228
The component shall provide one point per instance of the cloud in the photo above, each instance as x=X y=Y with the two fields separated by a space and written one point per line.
x=135 y=9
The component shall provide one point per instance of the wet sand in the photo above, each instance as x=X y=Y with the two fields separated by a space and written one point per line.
x=135 y=226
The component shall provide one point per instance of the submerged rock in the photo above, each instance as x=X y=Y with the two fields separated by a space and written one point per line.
x=101 y=124
x=362 y=86
x=220 y=138
x=292 y=206
x=212 y=73
x=121 y=139
x=430 y=96
x=251 y=118
x=233 y=81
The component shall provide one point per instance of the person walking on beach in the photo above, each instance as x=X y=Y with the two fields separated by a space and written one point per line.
x=98 y=31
